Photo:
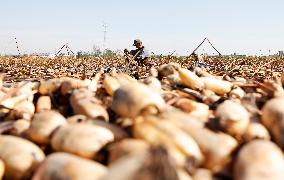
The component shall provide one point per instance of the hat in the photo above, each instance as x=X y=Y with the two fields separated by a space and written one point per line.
x=136 y=41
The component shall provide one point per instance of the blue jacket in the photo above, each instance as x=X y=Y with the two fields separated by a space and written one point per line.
x=142 y=55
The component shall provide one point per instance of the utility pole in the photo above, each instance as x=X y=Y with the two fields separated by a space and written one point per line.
x=17 y=46
x=105 y=32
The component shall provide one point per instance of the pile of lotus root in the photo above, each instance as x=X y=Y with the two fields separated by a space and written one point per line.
x=175 y=124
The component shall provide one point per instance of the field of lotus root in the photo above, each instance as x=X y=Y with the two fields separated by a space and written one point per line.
x=100 y=118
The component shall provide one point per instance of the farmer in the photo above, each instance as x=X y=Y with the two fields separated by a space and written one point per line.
x=140 y=55
x=199 y=61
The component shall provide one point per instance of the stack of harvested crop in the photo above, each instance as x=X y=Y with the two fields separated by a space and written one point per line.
x=173 y=124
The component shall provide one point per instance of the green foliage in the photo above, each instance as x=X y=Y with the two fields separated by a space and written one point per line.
x=108 y=53
x=96 y=53
x=82 y=54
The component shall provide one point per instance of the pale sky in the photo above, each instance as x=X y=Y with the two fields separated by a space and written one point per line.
x=241 y=26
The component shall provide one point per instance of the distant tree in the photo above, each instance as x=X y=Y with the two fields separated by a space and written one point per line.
x=79 y=54
x=82 y=54
x=96 y=51
x=109 y=53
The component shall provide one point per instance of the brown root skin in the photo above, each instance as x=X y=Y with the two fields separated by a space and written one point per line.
x=165 y=70
x=19 y=163
x=282 y=79
x=79 y=118
x=63 y=166
x=20 y=127
x=50 y=86
x=132 y=98
x=237 y=92
x=2 y=169
x=157 y=166
x=256 y=131
x=198 y=110
x=111 y=84
x=83 y=102
x=174 y=79
x=153 y=83
x=215 y=158
x=259 y=159
x=43 y=103
x=218 y=86
x=6 y=126
x=43 y=125
x=190 y=79
x=117 y=131
x=151 y=165
x=76 y=138
x=273 y=119
x=183 y=150
x=126 y=147
x=70 y=84
x=22 y=110
x=233 y=118
x=202 y=174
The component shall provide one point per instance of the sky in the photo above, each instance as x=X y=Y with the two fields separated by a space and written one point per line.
x=164 y=26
